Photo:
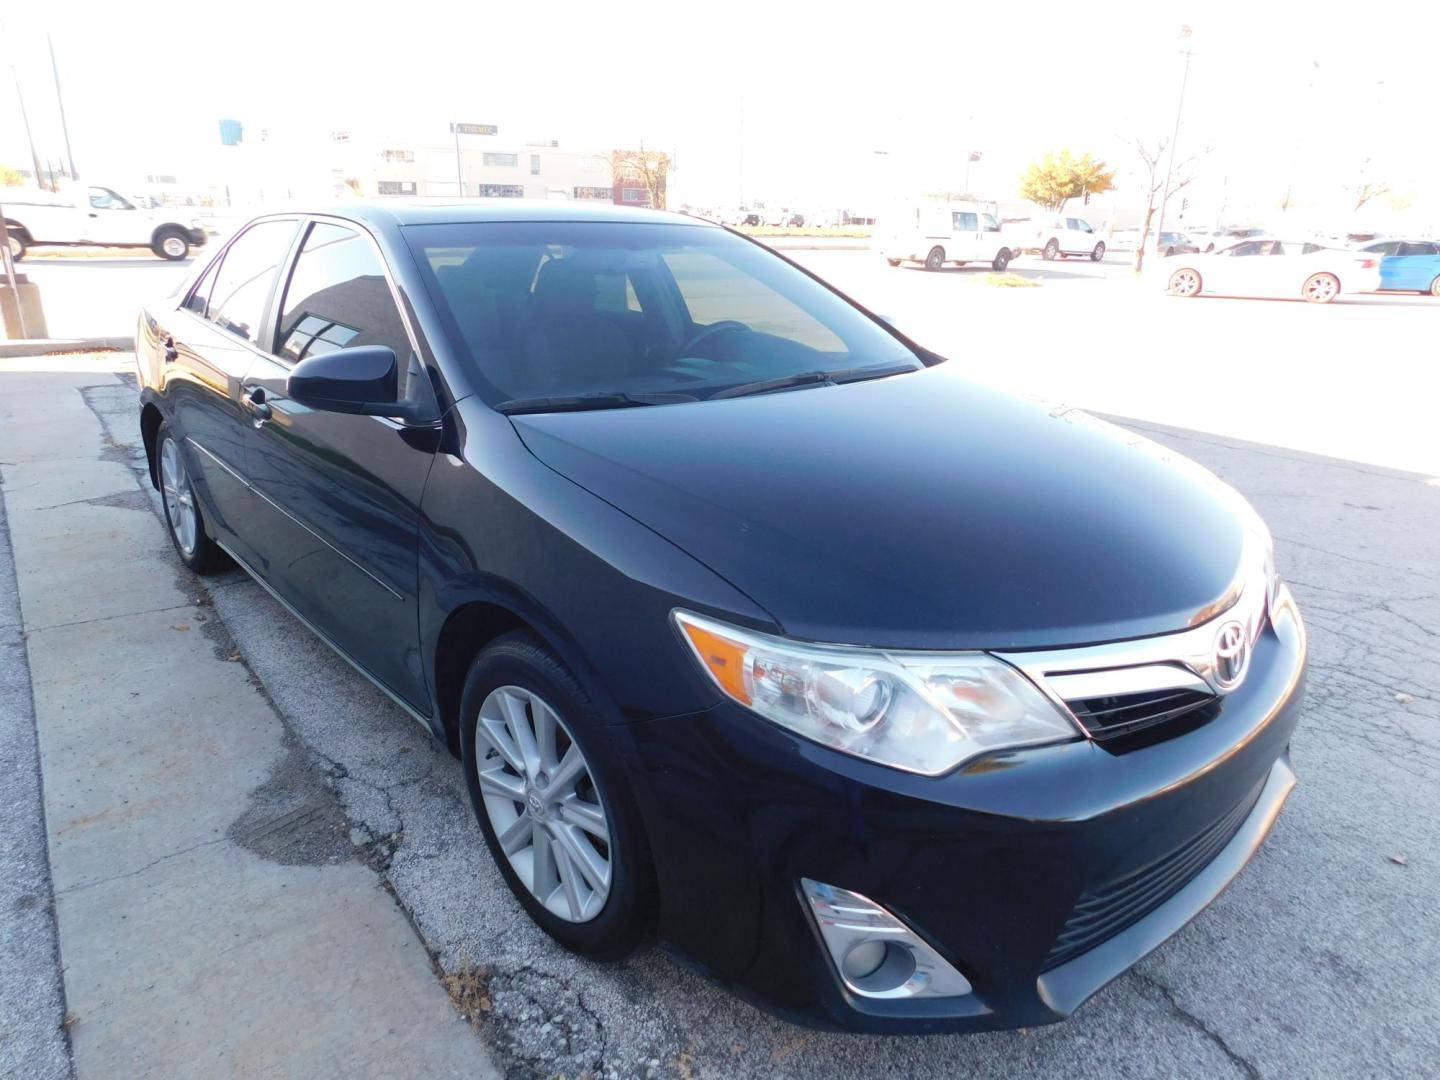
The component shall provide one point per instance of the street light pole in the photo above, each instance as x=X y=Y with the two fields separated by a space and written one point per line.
x=60 y=101
x=459 y=172
x=1174 y=140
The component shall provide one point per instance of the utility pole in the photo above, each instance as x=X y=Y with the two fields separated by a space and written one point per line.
x=459 y=172
x=24 y=116
x=1174 y=139
x=60 y=101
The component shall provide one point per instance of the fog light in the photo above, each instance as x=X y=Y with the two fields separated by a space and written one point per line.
x=875 y=954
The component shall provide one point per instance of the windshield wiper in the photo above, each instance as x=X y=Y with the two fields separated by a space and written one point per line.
x=582 y=402
x=813 y=378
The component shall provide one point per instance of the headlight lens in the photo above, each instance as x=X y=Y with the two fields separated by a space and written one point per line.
x=921 y=712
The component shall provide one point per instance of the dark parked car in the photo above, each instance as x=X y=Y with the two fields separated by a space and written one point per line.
x=1174 y=243
x=893 y=702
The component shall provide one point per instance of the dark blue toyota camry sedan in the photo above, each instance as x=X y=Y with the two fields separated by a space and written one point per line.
x=889 y=701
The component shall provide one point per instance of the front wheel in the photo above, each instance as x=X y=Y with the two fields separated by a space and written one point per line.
x=893 y=262
x=1321 y=288
x=182 y=510
x=1184 y=282
x=936 y=259
x=171 y=244
x=1098 y=253
x=17 y=245
x=1051 y=250
x=552 y=801
x=1002 y=260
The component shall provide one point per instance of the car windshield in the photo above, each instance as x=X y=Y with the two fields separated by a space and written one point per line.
x=630 y=311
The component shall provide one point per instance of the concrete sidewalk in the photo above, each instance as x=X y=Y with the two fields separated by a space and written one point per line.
x=214 y=916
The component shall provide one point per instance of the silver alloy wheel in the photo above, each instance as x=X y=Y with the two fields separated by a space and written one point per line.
x=17 y=249
x=1184 y=283
x=173 y=246
x=543 y=803
x=179 y=497
x=1052 y=250
x=1321 y=288
x=1435 y=287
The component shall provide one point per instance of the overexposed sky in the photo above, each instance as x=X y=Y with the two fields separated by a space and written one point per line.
x=819 y=87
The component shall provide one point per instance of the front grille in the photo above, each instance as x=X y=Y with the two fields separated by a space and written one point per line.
x=1117 y=715
x=1105 y=910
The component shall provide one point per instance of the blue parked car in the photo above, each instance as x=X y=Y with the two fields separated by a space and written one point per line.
x=1408 y=265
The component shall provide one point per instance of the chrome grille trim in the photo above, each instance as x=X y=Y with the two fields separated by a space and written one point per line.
x=1184 y=660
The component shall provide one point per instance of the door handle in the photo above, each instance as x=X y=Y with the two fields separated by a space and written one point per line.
x=254 y=400
x=171 y=353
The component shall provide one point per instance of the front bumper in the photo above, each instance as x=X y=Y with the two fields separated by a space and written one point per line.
x=1039 y=874
x=198 y=237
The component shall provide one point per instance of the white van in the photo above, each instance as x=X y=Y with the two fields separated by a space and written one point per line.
x=95 y=216
x=936 y=233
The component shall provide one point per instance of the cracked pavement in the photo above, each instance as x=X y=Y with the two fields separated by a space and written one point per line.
x=1318 y=961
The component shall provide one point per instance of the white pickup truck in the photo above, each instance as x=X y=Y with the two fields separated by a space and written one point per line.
x=97 y=216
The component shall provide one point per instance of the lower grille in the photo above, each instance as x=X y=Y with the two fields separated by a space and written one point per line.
x=1116 y=715
x=1105 y=910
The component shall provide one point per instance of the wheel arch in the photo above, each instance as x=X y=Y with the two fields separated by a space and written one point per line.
x=150 y=420
x=19 y=228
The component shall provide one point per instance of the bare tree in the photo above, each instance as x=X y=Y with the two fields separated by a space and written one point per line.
x=1182 y=173
x=647 y=166
x=1366 y=191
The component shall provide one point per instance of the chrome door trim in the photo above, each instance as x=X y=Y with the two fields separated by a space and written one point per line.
x=298 y=521
x=396 y=698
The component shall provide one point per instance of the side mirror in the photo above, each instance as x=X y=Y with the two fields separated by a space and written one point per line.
x=363 y=381
x=888 y=320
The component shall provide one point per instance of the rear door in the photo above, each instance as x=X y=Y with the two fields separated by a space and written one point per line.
x=1414 y=266
x=208 y=345
x=338 y=497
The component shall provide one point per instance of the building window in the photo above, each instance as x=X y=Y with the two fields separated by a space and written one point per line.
x=635 y=195
x=398 y=155
x=534 y=164
x=395 y=187
x=595 y=193
x=501 y=159
x=502 y=191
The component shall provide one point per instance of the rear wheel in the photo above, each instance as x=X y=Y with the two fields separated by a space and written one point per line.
x=1051 y=250
x=1321 y=288
x=17 y=245
x=1002 y=260
x=551 y=799
x=893 y=262
x=182 y=510
x=171 y=244
x=936 y=259
x=1435 y=287
x=1184 y=282
x=1098 y=253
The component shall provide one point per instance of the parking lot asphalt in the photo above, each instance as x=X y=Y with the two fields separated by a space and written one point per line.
x=1318 y=961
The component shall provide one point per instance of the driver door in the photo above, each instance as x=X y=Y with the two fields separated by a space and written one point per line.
x=111 y=219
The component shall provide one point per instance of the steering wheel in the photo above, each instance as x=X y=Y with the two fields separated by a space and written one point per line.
x=722 y=327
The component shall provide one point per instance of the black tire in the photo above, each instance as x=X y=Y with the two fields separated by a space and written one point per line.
x=1002 y=260
x=1051 y=250
x=204 y=555
x=18 y=247
x=171 y=244
x=520 y=659
x=1169 y=252
x=1098 y=253
x=893 y=262
x=935 y=259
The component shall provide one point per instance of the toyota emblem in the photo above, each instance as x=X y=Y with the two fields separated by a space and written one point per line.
x=1232 y=655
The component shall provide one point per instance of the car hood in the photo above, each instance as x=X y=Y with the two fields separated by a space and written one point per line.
x=917 y=511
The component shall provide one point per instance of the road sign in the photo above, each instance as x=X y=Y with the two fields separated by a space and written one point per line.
x=474 y=129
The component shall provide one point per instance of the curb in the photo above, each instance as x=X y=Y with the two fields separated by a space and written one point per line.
x=49 y=346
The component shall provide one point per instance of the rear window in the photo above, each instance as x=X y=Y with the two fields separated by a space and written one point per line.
x=548 y=309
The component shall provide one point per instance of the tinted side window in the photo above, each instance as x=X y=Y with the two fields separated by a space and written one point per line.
x=337 y=297
x=1250 y=247
x=1412 y=248
x=201 y=296
x=243 y=283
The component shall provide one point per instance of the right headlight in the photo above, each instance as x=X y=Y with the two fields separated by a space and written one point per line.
x=921 y=712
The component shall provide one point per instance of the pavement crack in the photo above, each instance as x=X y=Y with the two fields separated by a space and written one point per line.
x=106 y=618
x=140 y=870
x=1192 y=1021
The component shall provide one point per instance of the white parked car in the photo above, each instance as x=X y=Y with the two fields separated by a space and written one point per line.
x=96 y=216
x=1264 y=266
x=1059 y=236
x=944 y=232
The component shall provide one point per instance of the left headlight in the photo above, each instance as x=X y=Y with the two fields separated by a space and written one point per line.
x=921 y=712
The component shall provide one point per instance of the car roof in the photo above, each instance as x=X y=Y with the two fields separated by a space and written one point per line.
x=402 y=212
